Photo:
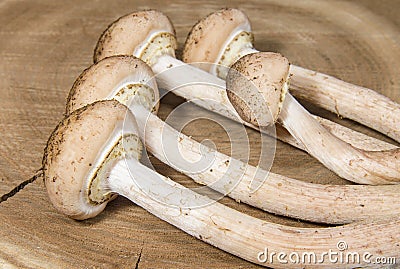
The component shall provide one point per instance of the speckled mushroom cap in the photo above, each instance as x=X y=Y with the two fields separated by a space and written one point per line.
x=257 y=85
x=143 y=34
x=209 y=37
x=76 y=153
x=124 y=78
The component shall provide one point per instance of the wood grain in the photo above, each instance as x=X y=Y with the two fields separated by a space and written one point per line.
x=44 y=45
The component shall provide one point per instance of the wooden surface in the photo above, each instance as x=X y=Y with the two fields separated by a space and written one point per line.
x=44 y=45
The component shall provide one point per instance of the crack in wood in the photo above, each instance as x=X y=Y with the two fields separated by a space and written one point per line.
x=138 y=260
x=5 y=197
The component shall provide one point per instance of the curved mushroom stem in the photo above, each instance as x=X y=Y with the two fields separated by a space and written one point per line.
x=350 y=101
x=278 y=194
x=242 y=235
x=345 y=160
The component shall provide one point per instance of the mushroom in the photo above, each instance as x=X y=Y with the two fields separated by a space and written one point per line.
x=224 y=36
x=278 y=194
x=260 y=81
x=150 y=35
x=93 y=154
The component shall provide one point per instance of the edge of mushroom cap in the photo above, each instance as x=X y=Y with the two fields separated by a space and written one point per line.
x=269 y=73
x=78 y=142
x=99 y=80
x=206 y=39
x=132 y=30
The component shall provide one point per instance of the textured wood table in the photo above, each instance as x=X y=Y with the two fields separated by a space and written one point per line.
x=44 y=45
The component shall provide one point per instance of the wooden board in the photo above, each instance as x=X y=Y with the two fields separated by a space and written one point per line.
x=44 y=45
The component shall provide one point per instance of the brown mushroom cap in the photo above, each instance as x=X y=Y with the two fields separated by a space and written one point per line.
x=207 y=38
x=257 y=85
x=131 y=31
x=76 y=150
x=101 y=80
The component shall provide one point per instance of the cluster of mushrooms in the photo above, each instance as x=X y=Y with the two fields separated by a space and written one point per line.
x=86 y=166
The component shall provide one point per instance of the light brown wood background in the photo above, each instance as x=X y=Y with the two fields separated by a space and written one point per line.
x=44 y=45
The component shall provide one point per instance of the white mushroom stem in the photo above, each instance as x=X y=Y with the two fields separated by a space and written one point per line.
x=347 y=100
x=245 y=236
x=277 y=194
x=347 y=161
x=212 y=96
x=193 y=84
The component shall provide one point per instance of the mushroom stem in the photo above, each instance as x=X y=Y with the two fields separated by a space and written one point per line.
x=195 y=85
x=228 y=176
x=347 y=161
x=235 y=40
x=261 y=80
x=248 y=237
x=334 y=204
x=348 y=100
x=81 y=191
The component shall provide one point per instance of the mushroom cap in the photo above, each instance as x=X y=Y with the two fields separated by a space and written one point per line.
x=257 y=85
x=104 y=79
x=207 y=39
x=75 y=152
x=131 y=32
